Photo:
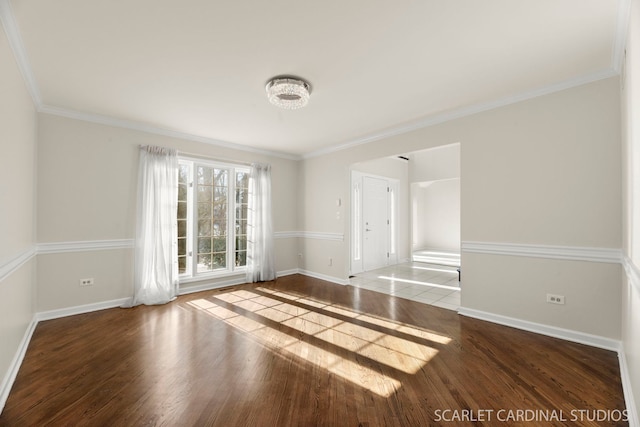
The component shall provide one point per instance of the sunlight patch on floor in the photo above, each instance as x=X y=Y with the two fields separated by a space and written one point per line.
x=451 y=270
x=349 y=370
x=338 y=327
x=417 y=282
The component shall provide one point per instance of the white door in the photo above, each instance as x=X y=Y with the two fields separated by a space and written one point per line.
x=375 y=223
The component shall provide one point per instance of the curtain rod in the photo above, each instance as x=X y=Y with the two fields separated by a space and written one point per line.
x=205 y=157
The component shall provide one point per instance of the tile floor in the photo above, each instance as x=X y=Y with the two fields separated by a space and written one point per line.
x=426 y=283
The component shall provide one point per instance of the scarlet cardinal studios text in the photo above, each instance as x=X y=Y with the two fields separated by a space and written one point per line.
x=528 y=415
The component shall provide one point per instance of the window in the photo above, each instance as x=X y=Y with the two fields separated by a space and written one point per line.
x=212 y=218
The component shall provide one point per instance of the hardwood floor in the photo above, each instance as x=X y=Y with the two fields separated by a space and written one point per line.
x=303 y=352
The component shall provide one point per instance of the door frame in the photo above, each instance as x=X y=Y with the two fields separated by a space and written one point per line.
x=356 y=259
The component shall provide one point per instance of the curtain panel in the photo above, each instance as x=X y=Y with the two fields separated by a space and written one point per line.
x=260 y=256
x=156 y=250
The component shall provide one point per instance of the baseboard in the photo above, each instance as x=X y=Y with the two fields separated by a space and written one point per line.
x=287 y=272
x=552 y=331
x=566 y=334
x=81 y=309
x=324 y=277
x=12 y=372
x=573 y=336
x=627 y=389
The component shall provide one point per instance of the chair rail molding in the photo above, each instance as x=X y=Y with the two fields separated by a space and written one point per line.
x=318 y=235
x=572 y=253
x=86 y=245
x=632 y=271
x=12 y=264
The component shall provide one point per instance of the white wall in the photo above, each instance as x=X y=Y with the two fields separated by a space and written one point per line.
x=17 y=206
x=436 y=215
x=435 y=198
x=434 y=164
x=630 y=86
x=543 y=171
x=87 y=176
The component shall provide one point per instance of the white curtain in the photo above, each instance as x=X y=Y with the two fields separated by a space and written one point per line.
x=260 y=256
x=156 y=251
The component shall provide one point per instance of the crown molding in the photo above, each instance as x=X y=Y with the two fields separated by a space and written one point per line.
x=147 y=128
x=388 y=133
x=19 y=51
x=22 y=60
x=572 y=253
x=466 y=111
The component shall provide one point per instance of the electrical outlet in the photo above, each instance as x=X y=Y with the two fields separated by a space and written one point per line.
x=86 y=282
x=555 y=299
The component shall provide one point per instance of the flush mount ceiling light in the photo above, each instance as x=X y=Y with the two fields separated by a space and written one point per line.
x=288 y=92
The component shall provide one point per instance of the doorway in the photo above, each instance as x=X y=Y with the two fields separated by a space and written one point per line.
x=435 y=205
x=373 y=222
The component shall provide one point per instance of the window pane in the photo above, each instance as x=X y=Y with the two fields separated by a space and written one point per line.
x=182 y=264
x=219 y=261
x=204 y=245
x=242 y=195
x=183 y=174
x=241 y=243
x=220 y=194
x=182 y=247
x=182 y=210
x=182 y=192
x=205 y=194
x=204 y=263
x=219 y=245
x=204 y=227
x=205 y=175
x=241 y=227
x=241 y=258
x=241 y=212
x=220 y=177
x=220 y=227
x=204 y=210
x=182 y=228
x=242 y=179
x=220 y=210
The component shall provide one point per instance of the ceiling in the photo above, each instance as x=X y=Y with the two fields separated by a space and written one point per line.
x=199 y=67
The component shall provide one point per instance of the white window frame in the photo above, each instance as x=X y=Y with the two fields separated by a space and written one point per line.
x=191 y=274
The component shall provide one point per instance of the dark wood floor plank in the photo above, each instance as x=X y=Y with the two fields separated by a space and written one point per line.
x=299 y=352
